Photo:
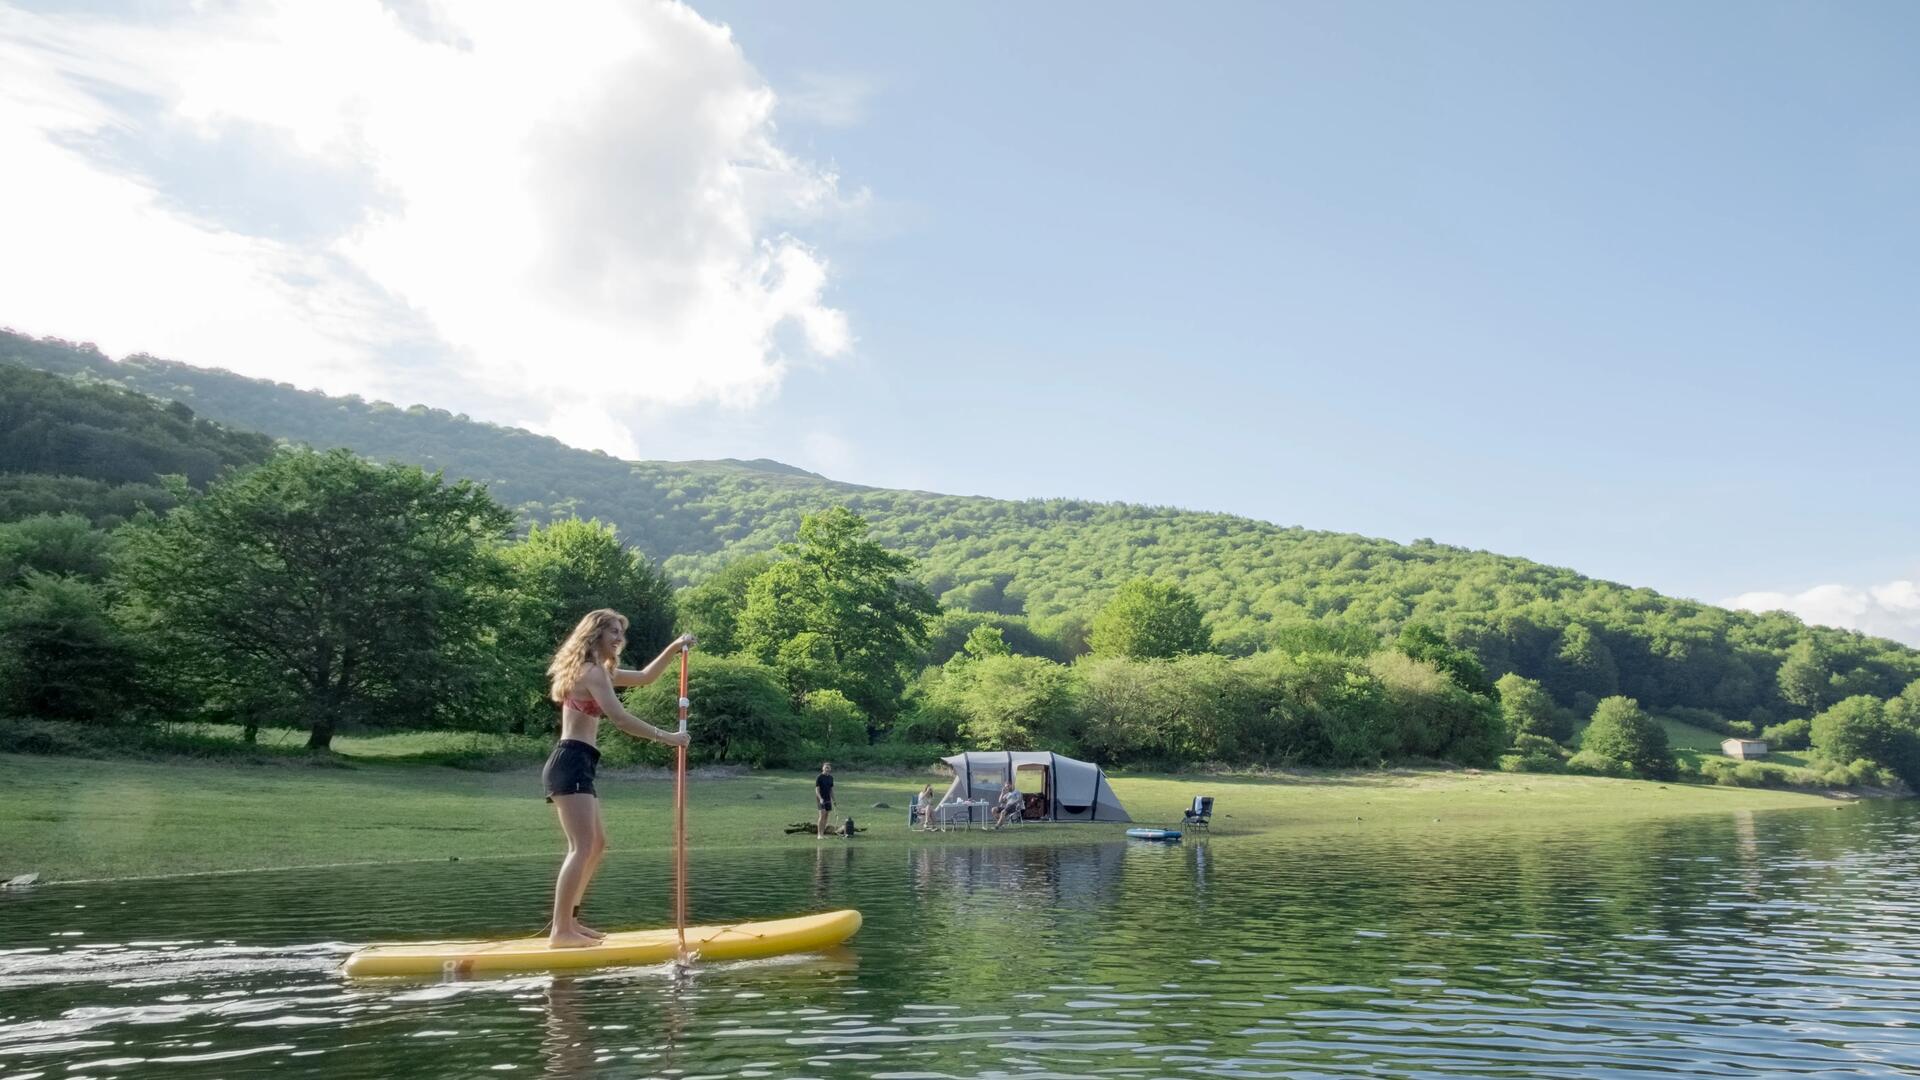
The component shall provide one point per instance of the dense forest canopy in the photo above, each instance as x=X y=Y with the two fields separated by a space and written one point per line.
x=82 y=447
x=1043 y=569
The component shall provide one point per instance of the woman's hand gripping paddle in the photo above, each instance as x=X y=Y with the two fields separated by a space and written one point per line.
x=680 y=821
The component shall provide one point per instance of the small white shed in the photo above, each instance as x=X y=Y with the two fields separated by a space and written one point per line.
x=1744 y=749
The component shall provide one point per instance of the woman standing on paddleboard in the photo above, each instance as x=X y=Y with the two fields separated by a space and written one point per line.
x=585 y=676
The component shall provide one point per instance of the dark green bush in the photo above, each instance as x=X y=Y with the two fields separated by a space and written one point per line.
x=740 y=715
x=1541 y=745
x=62 y=657
x=1535 y=762
x=1791 y=735
x=1592 y=763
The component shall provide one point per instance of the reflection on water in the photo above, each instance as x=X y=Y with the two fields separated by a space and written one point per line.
x=1748 y=944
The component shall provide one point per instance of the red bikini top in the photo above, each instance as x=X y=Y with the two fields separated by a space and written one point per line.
x=585 y=705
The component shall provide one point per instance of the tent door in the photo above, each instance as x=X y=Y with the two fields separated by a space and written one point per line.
x=1035 y=783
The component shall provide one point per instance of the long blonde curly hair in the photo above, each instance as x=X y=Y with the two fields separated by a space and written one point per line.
x=581 y=648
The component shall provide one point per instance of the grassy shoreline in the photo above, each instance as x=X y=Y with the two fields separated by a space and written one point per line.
x=72 y=819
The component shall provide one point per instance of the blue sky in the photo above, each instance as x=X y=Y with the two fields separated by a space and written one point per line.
x=1628 y=288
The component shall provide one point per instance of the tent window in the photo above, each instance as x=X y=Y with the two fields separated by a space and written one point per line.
x=988 y=780
x=1030 y=779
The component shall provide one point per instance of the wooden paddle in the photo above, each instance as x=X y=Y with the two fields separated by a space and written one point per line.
x=680 y=818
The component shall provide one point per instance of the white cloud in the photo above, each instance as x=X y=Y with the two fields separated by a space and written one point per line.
x=1891 y=610
x=570 y=217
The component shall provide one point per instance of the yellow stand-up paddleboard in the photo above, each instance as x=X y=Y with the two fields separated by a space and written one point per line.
x=739 y=941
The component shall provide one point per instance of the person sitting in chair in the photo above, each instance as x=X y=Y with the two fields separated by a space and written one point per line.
x=1011 y=805
x=923 y=808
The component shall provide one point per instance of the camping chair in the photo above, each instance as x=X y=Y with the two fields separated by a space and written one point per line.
x=1199 y=815
x=1018 y=816
x=914 y=820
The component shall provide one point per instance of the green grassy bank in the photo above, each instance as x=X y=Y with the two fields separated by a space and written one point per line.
x=75 y=819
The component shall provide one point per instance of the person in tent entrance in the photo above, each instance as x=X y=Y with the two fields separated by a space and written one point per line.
x=823 y=796
x=585 y=675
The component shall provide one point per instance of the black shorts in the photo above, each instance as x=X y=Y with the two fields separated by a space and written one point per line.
x=826 y=805
x=570 y=769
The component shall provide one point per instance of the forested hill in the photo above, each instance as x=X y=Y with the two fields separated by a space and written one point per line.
x=102 y=452
x=1055 y=561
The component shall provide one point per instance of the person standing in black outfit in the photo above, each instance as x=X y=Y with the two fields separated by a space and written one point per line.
x=823 y=795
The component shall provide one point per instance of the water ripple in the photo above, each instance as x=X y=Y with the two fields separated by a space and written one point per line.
x=1751 y=944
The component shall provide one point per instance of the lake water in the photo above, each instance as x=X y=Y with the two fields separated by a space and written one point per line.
x=1781 y=943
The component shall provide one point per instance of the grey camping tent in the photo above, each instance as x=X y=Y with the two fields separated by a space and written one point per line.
x=1057 y=788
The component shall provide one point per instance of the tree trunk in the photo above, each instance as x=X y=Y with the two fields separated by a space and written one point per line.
x=250 y=731
x=324 y=703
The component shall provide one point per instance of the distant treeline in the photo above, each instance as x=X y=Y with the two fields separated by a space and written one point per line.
x=1287 y=616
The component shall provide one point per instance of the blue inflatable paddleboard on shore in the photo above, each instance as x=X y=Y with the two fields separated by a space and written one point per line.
x=1154 y=834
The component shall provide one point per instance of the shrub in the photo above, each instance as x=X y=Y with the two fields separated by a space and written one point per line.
x=829 y=718
x=947 y=636
x=1539 y=744
x=1858 y=728
x=1716 y=770
x=1008 y=702
x=1753 y=774
x=1870 y=774
x=1529 y=712
x=1701 y=718
x=1593 y=763
x=20 y=736
x=889 y=755
x=1534 y=762
x=1791 y=735
x=64 y=545
x=1316 y=708
x=1432 y=716
x=1621 y=731
x=740 y=715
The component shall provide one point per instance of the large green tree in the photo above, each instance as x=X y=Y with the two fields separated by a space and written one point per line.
x=711 y=610
x=1859 y=727
x=1622 y=731
x=1429 y=715
x=740 y=714
x=570 y=567
x=63 y=658
x=1148 y=619
x=1806 y=675
x=563 y=570
x=329 y=591
x=1583 y=664
x=1423 y=642
x=1529 y=711
x=1005 y=702
x=1904 y=707
x=868 y=617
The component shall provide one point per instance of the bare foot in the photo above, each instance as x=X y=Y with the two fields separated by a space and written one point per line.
x=570 y=940
x=591 y=932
